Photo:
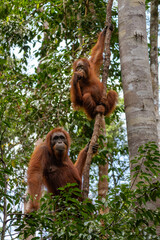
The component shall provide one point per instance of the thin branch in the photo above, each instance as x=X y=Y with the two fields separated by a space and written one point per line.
x=94 y=139
x=107 y=52
x=98 y=119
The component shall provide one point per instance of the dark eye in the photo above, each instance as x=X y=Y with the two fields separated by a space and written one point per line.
x=55 y=138
x=62 y=137
x=80 y=67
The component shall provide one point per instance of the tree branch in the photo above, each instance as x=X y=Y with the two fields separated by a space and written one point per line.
x=98 y=119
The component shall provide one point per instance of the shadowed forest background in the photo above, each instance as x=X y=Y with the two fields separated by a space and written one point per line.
x=39 y=41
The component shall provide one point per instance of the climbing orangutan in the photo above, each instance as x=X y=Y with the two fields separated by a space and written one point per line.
x=87 y=92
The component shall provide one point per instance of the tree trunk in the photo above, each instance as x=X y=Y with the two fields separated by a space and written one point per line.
x=158 y=127
x=154 y=53
x=154 y=59
x=136 y=79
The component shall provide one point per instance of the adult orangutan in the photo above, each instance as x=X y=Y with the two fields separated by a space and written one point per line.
x=51 y=166
x=87 y=92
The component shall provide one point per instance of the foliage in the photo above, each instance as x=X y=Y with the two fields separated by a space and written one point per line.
x=65 y=217
x=35 y=100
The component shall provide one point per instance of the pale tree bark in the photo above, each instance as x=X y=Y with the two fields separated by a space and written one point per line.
x=154 y=58
x=136 y=79
x=154 y=53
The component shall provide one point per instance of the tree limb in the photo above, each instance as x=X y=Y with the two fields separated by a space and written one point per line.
x=98 y=119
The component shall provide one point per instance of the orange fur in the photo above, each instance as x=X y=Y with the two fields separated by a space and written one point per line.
x=46 y=169
x=87 y=92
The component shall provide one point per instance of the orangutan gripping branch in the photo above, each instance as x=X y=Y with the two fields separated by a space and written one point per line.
x=87 y=92
x=51 y=166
